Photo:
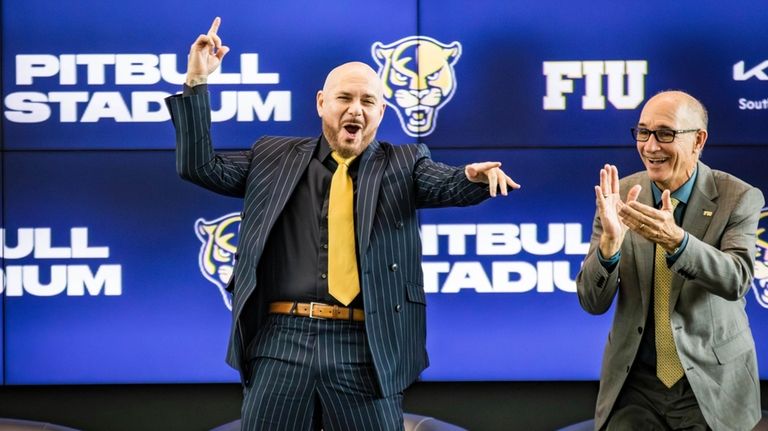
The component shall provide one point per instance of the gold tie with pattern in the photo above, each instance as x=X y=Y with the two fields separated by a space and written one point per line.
x=668 y=367
x=343 y=281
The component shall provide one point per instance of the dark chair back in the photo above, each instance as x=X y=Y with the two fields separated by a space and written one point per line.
x=23 y=425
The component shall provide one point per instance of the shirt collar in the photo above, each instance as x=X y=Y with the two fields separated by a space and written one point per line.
x=324 y=149
x=682 y=194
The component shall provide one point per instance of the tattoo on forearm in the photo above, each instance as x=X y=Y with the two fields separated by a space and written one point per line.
x=191 y=82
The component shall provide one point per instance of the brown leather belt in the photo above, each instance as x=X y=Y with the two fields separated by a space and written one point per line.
x=316 y=310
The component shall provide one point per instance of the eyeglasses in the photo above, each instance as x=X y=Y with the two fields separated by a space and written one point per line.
x=665 y=136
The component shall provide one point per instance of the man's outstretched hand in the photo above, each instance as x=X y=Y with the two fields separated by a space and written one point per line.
x=490 y=173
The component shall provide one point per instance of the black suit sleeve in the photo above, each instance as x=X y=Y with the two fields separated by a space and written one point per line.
x=196 y=161
x=441 y=185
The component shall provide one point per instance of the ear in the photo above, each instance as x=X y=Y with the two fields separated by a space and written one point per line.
x=701 y=139
x=320 y=103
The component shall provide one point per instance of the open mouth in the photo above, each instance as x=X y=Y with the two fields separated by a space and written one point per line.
x=657 y=160
x=352 y=129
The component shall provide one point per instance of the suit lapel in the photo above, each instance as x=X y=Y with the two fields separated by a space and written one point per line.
x=290 y=169
x=695 y=222
x=702 y=201
x=372 y=167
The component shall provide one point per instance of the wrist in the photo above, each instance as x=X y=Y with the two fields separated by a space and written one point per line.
x=193 y=80
x=468 y=176
x=609 y=246
x=674 y=246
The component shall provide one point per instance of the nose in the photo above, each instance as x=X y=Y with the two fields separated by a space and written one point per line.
x=652 y=145
x=355 y=108
x=420 y=93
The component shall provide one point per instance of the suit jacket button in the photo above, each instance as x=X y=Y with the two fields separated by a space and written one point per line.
x=397 y=308
x=639 y=329
x=393 y=267
x=399 y=224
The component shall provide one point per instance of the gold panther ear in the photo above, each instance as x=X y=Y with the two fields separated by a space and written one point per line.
x=203 y=229
x=383 y=57
x=380 y=53
x=452 y=53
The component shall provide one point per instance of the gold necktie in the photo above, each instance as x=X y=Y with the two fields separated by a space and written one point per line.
x=343 y=280
x=668 y=366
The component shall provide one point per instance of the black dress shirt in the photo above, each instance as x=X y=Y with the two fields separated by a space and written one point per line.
x=294 y=265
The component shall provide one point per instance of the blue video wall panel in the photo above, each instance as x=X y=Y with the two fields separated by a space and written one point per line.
x=103 y=282
x=501 y=292
x=109 y=269
x=102 y=89
x=495 y=74
x=552 y=73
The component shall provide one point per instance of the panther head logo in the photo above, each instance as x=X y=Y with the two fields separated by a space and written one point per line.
x=418 y=78
x=760 y=282
x=217 y=254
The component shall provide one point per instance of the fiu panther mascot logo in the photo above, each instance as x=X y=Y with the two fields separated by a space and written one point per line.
x=418 y=77
x=217 y=254
x=760 y=283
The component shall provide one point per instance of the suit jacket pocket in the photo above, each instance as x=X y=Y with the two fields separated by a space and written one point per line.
x=733 y=347
x=415 y=293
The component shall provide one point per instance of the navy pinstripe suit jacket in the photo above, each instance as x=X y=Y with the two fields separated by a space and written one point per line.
x=393 y=181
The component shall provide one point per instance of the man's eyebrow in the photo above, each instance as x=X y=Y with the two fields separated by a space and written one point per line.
x=661 y=126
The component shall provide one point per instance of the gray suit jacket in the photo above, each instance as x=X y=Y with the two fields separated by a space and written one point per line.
x=710 y=279
x=393 y=181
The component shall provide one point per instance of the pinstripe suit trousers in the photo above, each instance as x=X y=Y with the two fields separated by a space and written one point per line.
x=310 y=374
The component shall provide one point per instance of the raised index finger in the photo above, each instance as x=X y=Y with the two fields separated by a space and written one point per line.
x=214 y=26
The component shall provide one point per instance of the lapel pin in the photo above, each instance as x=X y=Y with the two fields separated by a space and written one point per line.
x=707 y=213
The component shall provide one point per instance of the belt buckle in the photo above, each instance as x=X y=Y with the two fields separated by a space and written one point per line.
x=312 y=311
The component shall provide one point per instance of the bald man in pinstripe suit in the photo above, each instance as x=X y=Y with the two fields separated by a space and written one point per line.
x=308 y=359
